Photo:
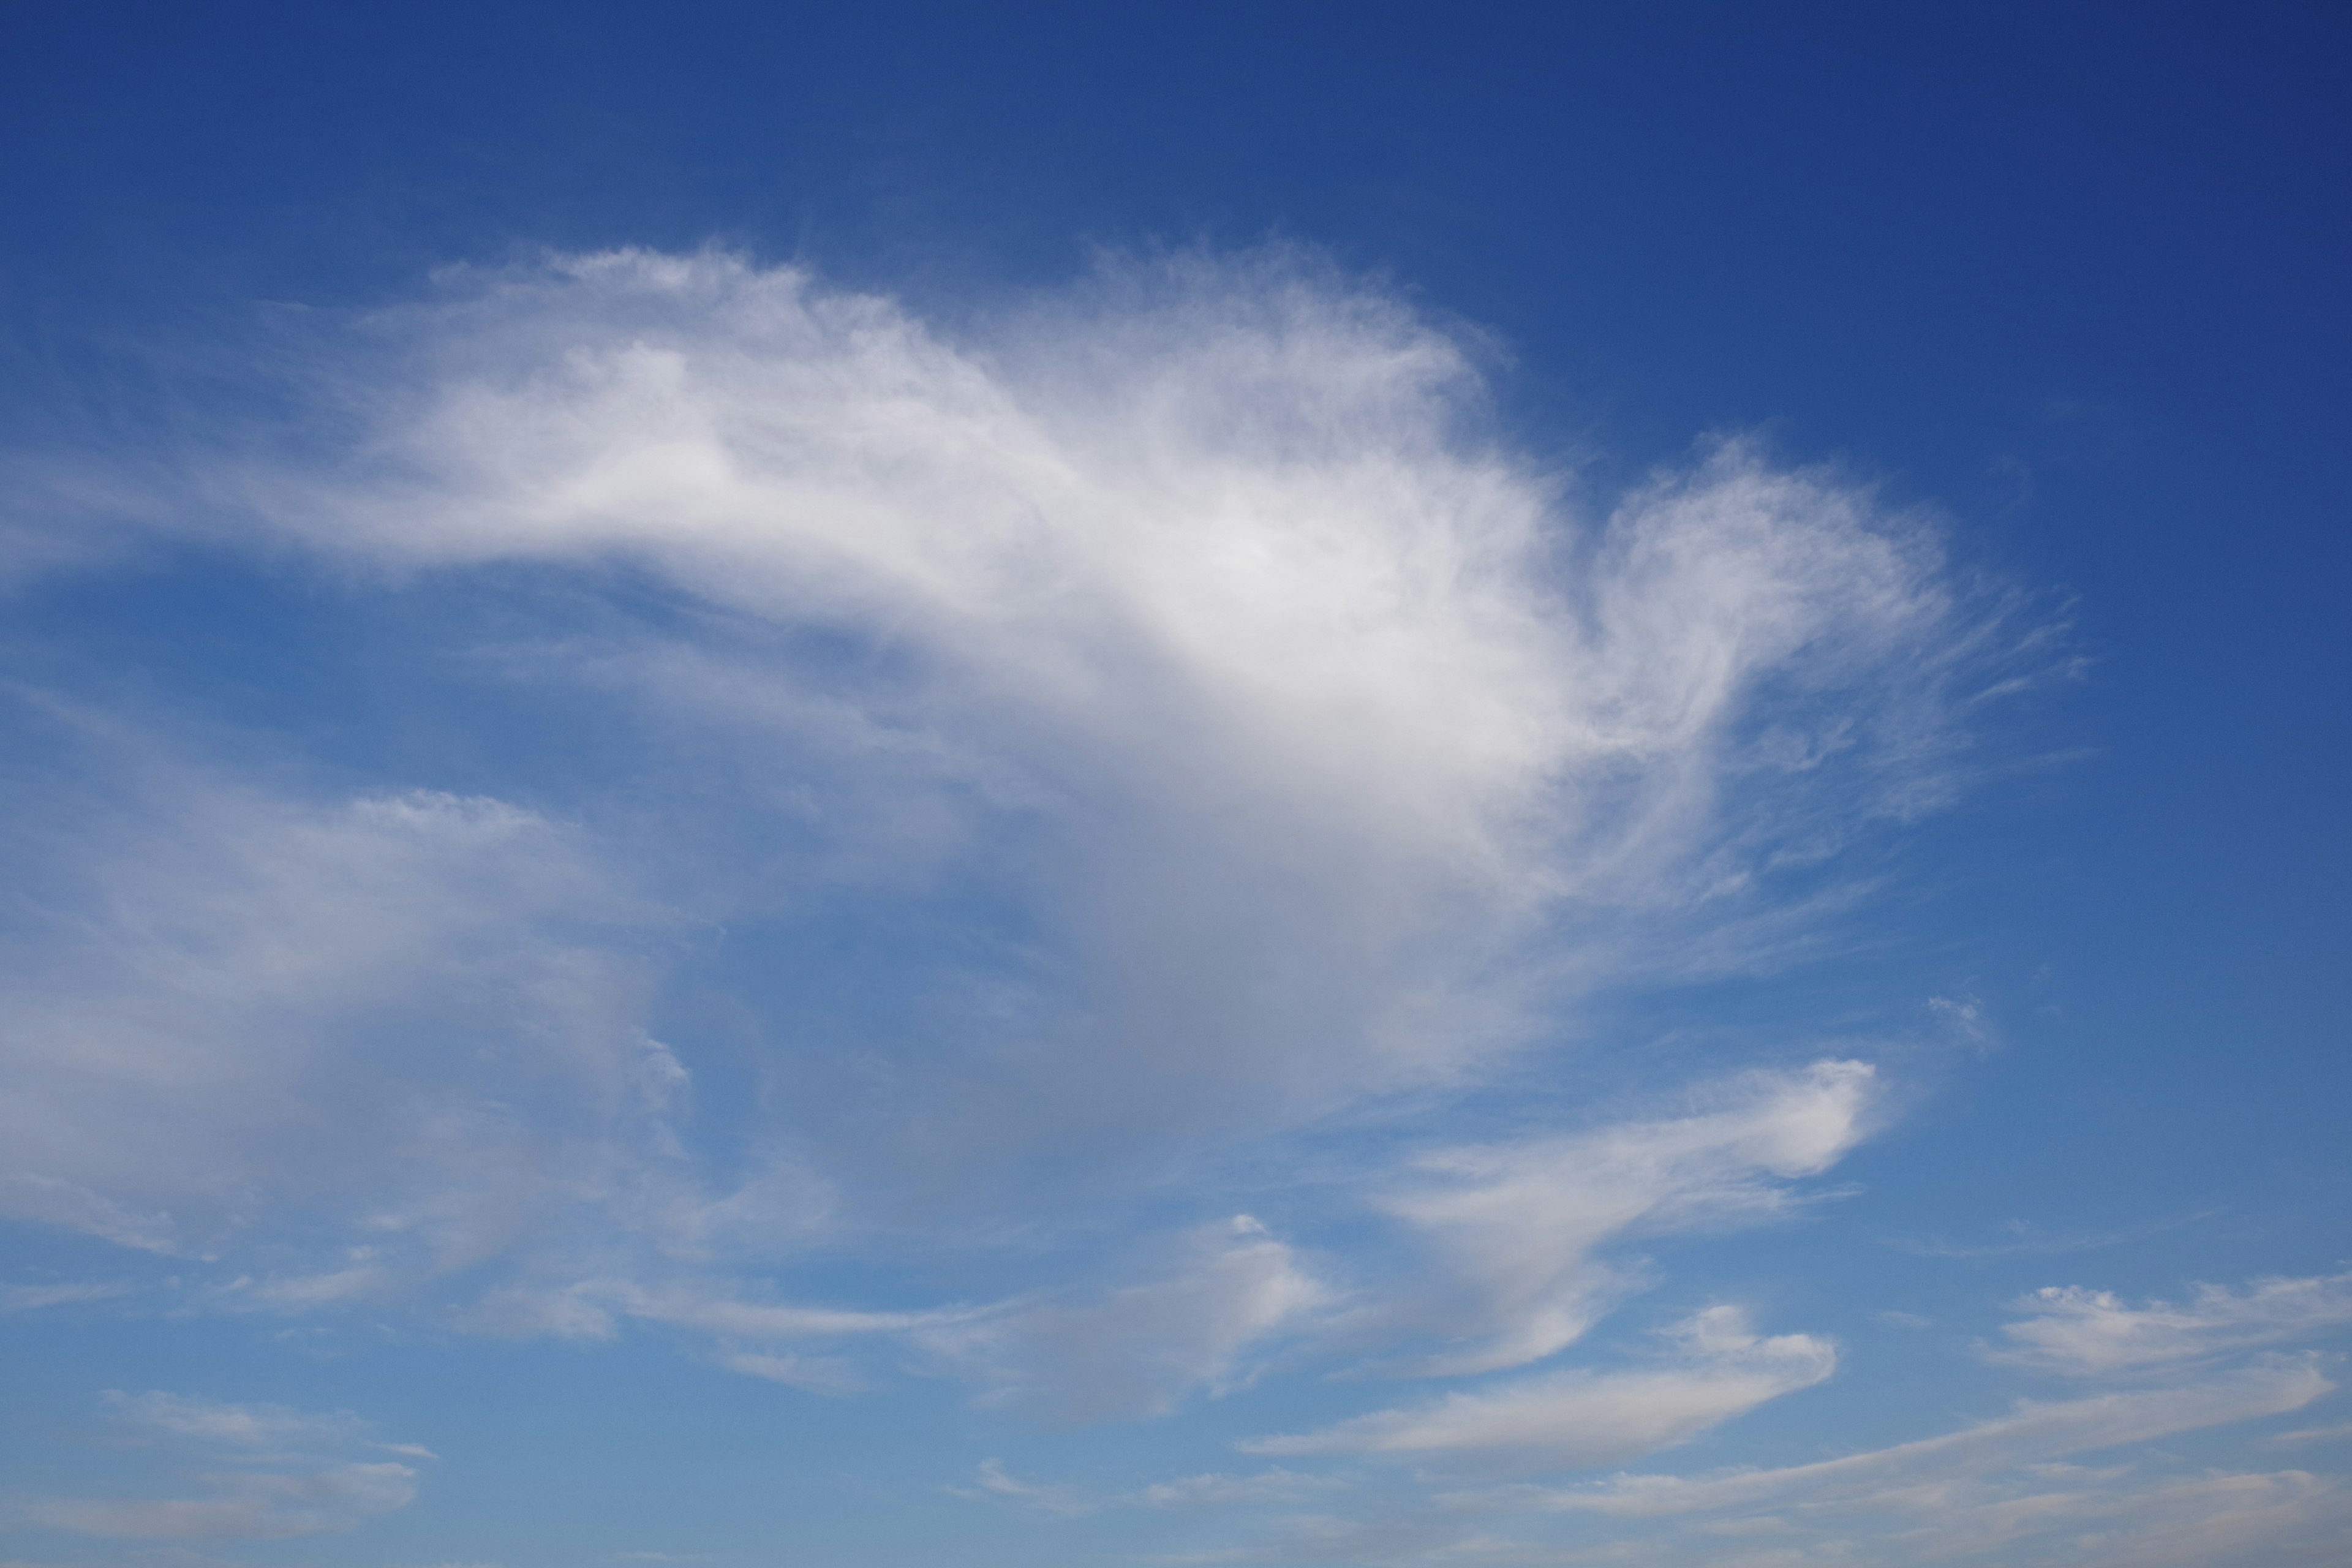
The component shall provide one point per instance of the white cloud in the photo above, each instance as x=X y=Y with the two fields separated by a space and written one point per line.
x=1217 y=1490
x=218 y=1422
x=2088 y=1333
x=994 y=1481
x=730 y=1316
x=2314 y=1435
x=2082 y=1521
x=245 y=1507
x=288 y=1481
x=1966 y=1017
x=1580 y=1418
x=1203 y=581
x=2113 y=1516
x=2034 y=1432
x=2286 y=1516
x=52 y=1200
x=816 y=1375
x=1981 y=1493
x=1304 y=743
x=1516 y=1226
x=2005 y=1489
x=32 y=1297
x=1141 y=1348
x=517 y=1312
x=411 y=1020
x=1203 y=1492
x=2097 y=1480
x=745 y=1330
x=241 y=1006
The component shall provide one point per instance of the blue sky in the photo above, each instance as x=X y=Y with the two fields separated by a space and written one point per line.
x=1070 y=785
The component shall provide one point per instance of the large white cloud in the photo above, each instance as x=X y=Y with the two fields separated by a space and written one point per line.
x=1291 y=706
x=1269 y=736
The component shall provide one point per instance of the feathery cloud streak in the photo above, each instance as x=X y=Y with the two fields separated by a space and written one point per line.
x=271 y=1472
x=1297 y=741
x=1575 y=1420
x=1515 y=1228
x=2085 y=1332
x=1333 y=738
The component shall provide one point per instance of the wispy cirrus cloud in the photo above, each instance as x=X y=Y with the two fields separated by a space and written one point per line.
x=2071 y=1481
x=159 y=1413
x=2034 y=1432
x=1517 y=1229
x=75 y=1293
x=1217 y=723
x=2084 y=1332
x=2099 y=1480
x=1202 y=579
x=256 y=1472
x=1140 y=1346
x=994 y=1481
x=226 y=976
x=1212 y=1491
x=1580 y=1418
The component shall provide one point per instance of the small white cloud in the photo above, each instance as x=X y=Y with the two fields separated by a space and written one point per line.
x=2112 y=1516
x=2338 y=1434
x=1580 y=1419
x=1516 y=1227
x=1140 y=1348
x=2034 y=1432
x=523 y=1313
x=1219 y=1491
x=32 y=1298
x=2084 y=1332
x=218 y=1422
x=245 y=1506
x=720 y=1311
x=1202 y=1491
x=994 y=1481
x=1966 y=1017
x=286 y=1481
x=53 y=1200
x=747 y=1331
x=307 y=1292
x=816 y=1375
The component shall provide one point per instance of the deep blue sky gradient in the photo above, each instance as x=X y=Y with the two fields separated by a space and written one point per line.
x=2074 y=276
